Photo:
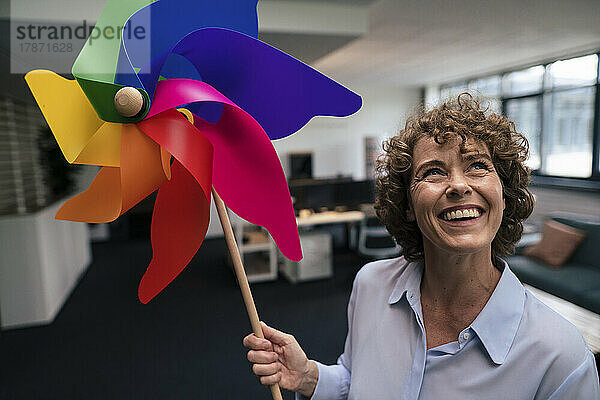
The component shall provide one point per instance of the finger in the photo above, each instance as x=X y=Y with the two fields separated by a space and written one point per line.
x=276 y=336
x=266 y=369
x=262 y=357
x=255 y=343
x=270 y=380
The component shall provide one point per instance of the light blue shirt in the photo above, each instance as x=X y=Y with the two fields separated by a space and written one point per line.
x=517 y=347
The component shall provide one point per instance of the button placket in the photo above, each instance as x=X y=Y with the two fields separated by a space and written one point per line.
x=463 y=337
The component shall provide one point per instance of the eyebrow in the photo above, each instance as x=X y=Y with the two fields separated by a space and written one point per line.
x=476 y=156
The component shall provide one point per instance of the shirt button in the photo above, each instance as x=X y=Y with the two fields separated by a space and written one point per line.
x=466 y=335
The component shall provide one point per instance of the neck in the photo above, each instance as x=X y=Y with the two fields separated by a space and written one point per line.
x=453 y=280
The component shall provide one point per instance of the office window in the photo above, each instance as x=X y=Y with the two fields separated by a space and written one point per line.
x=523 y=82
x=451 y=91
x=488 y=86
x=567 y=149
x=579 y=71
x=526 y=113
x=554 y=105
x=488 y=89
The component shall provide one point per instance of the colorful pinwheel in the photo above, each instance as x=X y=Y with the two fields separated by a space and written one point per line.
x=238 y=92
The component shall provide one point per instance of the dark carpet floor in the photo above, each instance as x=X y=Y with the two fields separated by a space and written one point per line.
x=184 y=344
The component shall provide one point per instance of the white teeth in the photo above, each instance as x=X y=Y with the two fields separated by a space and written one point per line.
x=471 y=213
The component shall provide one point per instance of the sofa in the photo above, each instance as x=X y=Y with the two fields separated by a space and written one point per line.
x=578 y=279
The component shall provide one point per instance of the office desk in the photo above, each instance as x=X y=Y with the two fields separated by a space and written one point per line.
x=316 y=246
x=330 y=217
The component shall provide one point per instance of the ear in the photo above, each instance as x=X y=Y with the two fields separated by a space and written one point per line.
x=410 y=214
x=410 y=211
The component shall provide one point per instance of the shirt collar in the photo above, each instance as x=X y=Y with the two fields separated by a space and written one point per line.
x=497 y=324
x=409 y=282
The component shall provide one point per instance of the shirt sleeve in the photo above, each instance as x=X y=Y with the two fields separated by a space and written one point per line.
x=582 y=383
x=333 y=383
x=334 y=380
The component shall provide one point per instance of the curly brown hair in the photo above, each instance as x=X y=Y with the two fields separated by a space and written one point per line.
x=466 y=118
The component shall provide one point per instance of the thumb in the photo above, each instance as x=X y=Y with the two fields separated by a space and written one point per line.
x=275 y=336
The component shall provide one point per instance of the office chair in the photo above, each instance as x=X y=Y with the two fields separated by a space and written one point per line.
x=371 y=228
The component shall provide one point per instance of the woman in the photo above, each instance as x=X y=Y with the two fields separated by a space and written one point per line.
x=448 y=319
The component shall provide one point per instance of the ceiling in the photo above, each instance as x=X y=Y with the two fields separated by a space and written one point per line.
x=417 y=43
x=400 y=42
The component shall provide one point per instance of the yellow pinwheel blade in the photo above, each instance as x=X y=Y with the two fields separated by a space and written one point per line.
x=81 y=135
x=104 y=148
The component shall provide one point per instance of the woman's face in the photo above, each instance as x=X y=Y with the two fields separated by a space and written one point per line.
x=456 y=196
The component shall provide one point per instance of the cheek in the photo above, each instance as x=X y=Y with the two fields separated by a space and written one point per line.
x=491 y=190
x=424 y=198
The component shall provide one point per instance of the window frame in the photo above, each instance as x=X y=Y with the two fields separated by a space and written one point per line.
x=537 y=177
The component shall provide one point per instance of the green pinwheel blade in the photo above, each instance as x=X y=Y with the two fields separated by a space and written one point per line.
x=102 y=94
x=96 y=64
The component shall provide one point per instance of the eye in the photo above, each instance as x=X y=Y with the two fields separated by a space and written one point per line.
x=480 y=165
x=432 y=171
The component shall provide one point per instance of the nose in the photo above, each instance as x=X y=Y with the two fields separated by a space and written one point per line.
x=458 y=187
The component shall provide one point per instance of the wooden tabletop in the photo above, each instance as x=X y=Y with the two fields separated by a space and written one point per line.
x=330 y=217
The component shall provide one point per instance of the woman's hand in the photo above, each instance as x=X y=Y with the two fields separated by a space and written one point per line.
x=279 y=359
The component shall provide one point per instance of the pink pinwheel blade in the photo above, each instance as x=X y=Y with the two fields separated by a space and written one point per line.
x=172 y=93
x=248 y=176
x=247 y=173
x=179 y=223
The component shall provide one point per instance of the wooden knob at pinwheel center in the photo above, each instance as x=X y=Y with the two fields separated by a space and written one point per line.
x=129 y=101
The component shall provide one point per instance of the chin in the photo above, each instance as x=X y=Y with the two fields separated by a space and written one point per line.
x=466 y=246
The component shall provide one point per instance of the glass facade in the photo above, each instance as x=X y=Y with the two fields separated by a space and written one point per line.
x=554 y=105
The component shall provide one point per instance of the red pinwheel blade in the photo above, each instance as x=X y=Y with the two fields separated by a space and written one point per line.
x=179 y=223
x=181 y=212
x=183 y=141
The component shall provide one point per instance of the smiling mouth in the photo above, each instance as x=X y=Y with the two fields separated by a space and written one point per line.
x=464 y=214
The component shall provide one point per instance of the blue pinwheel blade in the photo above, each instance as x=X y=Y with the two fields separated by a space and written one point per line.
x=163 y=23
x=280 y=92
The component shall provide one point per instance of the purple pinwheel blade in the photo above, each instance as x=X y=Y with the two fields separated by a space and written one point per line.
x=280 y=92
x=165 y=22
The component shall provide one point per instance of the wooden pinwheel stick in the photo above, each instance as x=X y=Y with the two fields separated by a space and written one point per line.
x=240 y=273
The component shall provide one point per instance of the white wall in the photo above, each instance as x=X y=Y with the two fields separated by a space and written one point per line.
x=337 y=144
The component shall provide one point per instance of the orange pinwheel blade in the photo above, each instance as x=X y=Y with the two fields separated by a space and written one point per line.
x=116 y=190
